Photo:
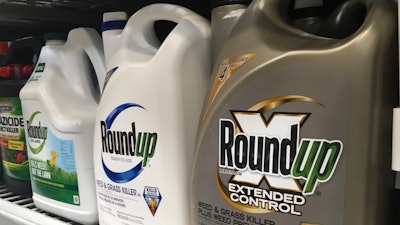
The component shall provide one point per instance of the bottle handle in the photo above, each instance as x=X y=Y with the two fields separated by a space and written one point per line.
x=88 y=40
x=141 y=24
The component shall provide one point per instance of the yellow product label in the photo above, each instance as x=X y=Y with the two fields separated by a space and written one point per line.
x=305 y=223
x=16 y=145
x=225 y=71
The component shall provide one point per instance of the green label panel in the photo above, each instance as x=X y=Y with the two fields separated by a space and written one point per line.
x=53 y=182
x=12 y=139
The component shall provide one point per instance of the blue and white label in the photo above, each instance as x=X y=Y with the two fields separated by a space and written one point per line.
x=127 y=145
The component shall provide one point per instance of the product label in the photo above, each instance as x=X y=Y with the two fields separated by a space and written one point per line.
x=12 y=139
x=271 y=150
x=37 y=74
x=128 y=147
x=278 y=158
x=52 y=162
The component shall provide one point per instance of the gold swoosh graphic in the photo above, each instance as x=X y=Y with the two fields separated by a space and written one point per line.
x=272 y=103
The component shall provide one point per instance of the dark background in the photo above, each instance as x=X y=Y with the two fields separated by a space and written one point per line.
x=21 y=18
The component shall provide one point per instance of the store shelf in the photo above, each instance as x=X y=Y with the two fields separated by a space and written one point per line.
x=19 y=210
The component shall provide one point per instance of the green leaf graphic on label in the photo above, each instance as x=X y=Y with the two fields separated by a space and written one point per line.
x=36 y=132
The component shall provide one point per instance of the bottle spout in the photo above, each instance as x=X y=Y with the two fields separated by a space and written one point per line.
x=345 y=20
x=330 y=19
x=114 y=21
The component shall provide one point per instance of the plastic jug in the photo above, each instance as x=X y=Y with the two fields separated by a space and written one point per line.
x=19 y=59
x=296 y=128
x=59 y=104
x=12 y=139
x=148 y=115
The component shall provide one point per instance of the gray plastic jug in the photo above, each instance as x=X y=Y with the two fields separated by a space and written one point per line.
x=296 y=129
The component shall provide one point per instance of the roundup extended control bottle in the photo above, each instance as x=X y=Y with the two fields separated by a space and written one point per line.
x=296 y=128
x=148 y=115
x=59 y=104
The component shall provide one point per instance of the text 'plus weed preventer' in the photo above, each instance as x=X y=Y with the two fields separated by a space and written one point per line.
x=59 y=104
x=148 y=115
x=296 y=128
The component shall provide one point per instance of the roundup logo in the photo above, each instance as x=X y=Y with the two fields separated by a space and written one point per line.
x=37 y=134
x=270 y=168
x=126 y=147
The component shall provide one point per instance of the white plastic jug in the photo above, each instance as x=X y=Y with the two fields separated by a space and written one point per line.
x=148 y=115
x=59 y=105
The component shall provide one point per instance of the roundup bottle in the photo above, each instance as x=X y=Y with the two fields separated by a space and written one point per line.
x=148 y=115
x=59 y=104
x=295 y=128
x=22 y=53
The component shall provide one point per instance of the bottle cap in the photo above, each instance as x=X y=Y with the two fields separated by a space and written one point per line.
x=114 y=21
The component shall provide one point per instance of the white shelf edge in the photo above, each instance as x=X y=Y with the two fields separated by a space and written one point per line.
x=14 y=214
